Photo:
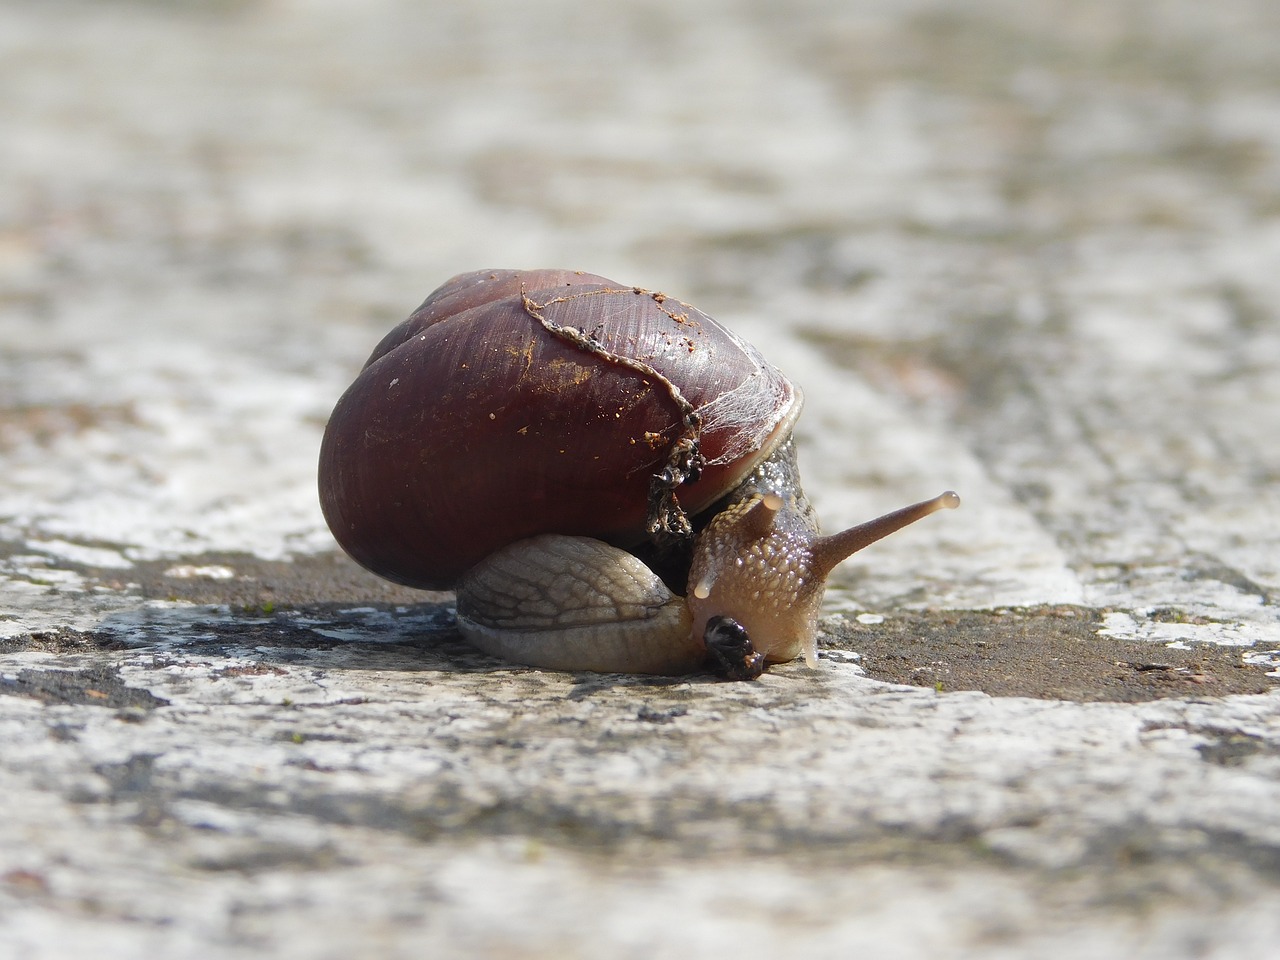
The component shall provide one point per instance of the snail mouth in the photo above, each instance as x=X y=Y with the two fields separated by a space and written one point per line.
x=731 y=653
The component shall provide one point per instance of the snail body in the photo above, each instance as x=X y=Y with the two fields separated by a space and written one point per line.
x=525 y=435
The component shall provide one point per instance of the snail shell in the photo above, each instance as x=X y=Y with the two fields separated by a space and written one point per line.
x=513 y=403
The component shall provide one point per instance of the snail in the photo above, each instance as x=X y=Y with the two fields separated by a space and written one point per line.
x=563 y=450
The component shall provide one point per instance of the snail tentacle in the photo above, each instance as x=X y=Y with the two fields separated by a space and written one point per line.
x=830 y=551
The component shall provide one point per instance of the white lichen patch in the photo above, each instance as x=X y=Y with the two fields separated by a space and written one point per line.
x=1135 y=626
x=189 y=571
x=89 y=556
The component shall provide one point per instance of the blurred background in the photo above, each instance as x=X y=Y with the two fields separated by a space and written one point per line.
x=1023 y=249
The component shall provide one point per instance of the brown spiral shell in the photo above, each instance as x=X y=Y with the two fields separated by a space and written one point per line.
x=513 y=403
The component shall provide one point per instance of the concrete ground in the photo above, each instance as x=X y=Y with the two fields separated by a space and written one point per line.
x=1025 y=250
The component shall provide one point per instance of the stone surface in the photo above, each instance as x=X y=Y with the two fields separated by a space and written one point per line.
x=1024 y=250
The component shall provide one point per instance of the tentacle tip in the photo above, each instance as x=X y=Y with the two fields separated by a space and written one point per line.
x=949 y=500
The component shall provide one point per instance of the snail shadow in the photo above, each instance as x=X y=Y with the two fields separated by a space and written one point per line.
x=418 y=638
